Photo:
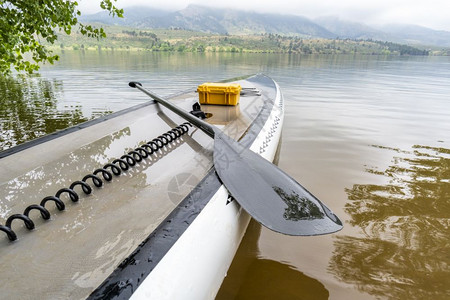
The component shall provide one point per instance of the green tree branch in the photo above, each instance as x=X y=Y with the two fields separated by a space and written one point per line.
x=24 y=23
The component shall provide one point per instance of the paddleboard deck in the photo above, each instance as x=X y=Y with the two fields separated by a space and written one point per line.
x=95 y=246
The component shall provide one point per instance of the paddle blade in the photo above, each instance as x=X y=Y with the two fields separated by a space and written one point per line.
x=268 y=194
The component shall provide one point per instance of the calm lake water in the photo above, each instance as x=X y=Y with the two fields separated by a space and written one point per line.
x=370 y=136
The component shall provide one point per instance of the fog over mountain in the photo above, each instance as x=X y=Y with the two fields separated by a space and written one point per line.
x=236 y=22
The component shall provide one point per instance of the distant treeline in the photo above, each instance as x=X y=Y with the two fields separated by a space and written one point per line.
x=343 y=46
x=140 y=33
x=179 y=40
x=403 y=49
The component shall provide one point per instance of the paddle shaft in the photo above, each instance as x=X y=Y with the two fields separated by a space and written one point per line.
x=268 y=194
x=202 y=125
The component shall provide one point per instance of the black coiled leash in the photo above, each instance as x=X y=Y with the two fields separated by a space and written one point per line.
x=116 y=167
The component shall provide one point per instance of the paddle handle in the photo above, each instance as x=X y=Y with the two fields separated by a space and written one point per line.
x=202 y=125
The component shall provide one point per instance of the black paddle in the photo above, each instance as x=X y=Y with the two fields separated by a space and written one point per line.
x=269 y=195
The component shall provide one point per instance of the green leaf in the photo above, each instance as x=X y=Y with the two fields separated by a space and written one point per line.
x=23 y=23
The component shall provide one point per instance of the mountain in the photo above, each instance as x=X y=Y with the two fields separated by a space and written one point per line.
x=413 y=34
x=236 y=22
x=351 y=30
x=398 y=33
x=212 y=20
x=241 y=22
x=132 y=15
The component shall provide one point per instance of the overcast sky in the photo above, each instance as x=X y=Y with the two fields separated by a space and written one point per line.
x=430 y=13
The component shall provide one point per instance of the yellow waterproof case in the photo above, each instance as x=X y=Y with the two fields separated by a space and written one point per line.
x=219 y=93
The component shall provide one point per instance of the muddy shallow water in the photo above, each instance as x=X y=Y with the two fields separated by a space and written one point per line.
x=369 y=136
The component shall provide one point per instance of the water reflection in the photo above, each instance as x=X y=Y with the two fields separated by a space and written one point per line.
x=46 y=180
x=298 y=208
x=406 y=251
x=29 y=109
x=253 y=277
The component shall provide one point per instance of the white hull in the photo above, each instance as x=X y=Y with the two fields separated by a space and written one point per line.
x=196 y=265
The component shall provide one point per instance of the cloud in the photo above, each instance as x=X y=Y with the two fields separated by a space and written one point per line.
x=431 y=13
